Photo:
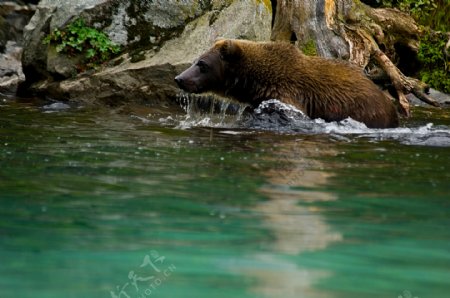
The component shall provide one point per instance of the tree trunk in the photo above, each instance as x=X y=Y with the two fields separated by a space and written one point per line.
x=374 y=39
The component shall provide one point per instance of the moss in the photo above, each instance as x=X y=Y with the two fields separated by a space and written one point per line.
x=267 y=4
x=137 y=56
x=309 y=48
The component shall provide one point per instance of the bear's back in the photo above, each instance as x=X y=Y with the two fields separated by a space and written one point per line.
x=331 y=89
x=341 y=90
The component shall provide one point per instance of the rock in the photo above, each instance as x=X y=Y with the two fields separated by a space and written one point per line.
x=10 y=68
x=13 y=18
x=185 y=31
x=56 y=106
x=14 y=15
x=61 y=65
x=131 y=24
x=34 y=56
x=442 y=98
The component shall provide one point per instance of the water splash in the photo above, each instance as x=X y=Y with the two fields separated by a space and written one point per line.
x=278 y=116
x=273 y=115
x=209 y=111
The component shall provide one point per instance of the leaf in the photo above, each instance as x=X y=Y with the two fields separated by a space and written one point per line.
x=79 y=38
x=60 y=47
x=90 y=53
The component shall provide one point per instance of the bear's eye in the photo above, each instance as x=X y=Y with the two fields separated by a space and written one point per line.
x=203 y=66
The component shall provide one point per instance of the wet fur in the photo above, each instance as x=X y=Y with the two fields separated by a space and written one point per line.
x=252 y=72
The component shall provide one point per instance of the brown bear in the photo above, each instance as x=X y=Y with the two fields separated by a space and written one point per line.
x=252 y=72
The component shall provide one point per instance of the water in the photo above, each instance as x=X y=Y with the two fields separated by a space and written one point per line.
x=95 y=202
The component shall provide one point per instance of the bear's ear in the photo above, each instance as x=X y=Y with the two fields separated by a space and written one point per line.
x=229 y=49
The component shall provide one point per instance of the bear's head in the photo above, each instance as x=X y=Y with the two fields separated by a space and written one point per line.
x=208 y=73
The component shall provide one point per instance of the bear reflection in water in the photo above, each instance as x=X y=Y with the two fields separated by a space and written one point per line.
x=295 y=183
x=252 y=72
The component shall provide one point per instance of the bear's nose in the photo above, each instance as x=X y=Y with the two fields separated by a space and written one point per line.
x=178 y=80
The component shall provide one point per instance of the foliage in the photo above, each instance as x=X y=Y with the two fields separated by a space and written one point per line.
x=77 y=38
x=419 y=9
x=432 y=13
x=436 y=65
x=434 y=17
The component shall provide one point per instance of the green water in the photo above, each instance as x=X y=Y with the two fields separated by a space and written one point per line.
x=92 y=202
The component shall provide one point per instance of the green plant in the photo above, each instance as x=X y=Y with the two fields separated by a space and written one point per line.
x=420 y=9
x=433 y=16
x=436 y=65
x=432 y=13
x=77 y=38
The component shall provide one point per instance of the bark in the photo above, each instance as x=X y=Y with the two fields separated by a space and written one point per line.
x=348 y=29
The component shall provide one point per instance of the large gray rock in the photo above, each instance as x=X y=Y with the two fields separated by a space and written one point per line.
x=135 y=24
x=175 y=34
x=10 y=68
x=442 y=98
x=128 y=23
x=14 y=15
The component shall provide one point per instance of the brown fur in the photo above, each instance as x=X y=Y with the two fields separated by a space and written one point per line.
x=252 y=72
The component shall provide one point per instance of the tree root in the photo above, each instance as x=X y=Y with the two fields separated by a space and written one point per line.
x=371 y=35
x=403 y=84
x=367 y=40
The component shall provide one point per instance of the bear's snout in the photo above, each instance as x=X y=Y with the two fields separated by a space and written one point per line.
x=179 y=81
x=186 y=82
